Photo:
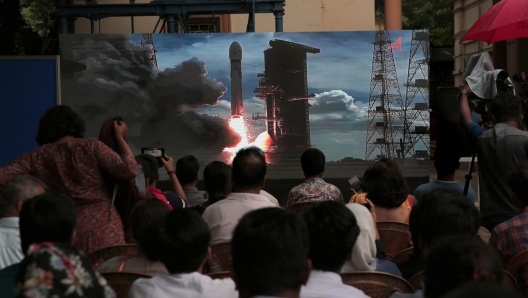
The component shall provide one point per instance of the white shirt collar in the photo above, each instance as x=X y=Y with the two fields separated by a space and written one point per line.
x=9 y=222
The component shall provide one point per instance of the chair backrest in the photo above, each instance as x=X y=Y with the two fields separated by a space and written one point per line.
x=220 y=275
x=402 y=255
x=299 y=208
x=221 y=260
x=416 y=280
x=508 y=280
x=394 y=236
x=376 y=284
x=121 y=282
x=101 y=255
x=516 y=262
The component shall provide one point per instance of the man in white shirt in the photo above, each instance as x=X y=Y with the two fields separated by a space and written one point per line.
x=333 y=231
x=14 y=193
x=248 y=175
x=180 y=241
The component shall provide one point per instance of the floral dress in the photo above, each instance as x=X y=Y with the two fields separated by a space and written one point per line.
x=59 y=270
x=76 y=168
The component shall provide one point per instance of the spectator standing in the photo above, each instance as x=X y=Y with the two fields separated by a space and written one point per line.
x=187 y=171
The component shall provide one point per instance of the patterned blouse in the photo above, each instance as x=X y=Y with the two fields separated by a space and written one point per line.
x=76 y=168
x=314 y=190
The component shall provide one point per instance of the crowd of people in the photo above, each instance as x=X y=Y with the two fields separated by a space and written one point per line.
x=58 y=205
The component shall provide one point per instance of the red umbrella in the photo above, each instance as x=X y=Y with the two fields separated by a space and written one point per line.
x=507 y=19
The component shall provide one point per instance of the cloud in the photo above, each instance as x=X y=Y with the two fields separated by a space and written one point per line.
x=334 y=101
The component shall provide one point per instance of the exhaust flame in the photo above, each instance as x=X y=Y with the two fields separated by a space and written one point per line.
x=263 y=140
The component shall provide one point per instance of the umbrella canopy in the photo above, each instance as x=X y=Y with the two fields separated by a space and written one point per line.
x=505 y=20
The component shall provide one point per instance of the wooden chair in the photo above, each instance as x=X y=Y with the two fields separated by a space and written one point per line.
x=220 y=275
x=416 y=280
x=299 y=208
x=121 y=282
x=508 y=280
x=402 y=255
x=395 y=237
x=221 y=260
x=98 y=257
x=376 y=284
x=516 y=262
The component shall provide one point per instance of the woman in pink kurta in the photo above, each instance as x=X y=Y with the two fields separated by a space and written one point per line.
x=73 y=165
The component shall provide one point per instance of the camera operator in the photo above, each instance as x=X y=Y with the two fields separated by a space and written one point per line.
x=498 y=149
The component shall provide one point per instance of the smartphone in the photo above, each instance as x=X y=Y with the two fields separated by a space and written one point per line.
x=157 y=152
x=355 y=184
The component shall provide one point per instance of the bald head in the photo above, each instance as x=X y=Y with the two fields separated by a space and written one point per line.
x=249 y=170
x=16 y=191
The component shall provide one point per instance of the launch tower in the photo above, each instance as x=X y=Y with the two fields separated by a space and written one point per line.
x=148 y=40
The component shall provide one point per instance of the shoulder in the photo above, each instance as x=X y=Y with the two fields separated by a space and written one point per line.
x=219 y=288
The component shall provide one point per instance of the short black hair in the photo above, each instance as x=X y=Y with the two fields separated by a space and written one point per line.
x=333 y=231
x=447 y=158
x=143 y=215
x=506 y=107
x=445 y=212
x=187 y=169
x=457 y=260
x=249 y=168
x=270 y=251
x=149 y=166
x=49 y=217
x=58 y=122
x=385 y=184
x=313 y=162
x=18 y=188
x=217 y=181
x=518 y=181
x=179 y=240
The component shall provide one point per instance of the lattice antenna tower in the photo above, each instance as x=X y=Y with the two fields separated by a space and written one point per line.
x=417 y=87
x=385 y=102
x=147 y=39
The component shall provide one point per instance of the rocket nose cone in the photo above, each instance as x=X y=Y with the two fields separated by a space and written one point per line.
x=235 y=46
x=235 y=51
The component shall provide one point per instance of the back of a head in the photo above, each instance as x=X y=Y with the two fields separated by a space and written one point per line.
x=506 y=107
x=443 y=213
x=58 y=122
x=21 y=187
x=249 y=168
x=49 y=217
x=143 y=215
x=270 y=251
x=313 y=162
x=482 y=290
x=457 y=260
x=187 y=169
x=447 y=158
x=179 y=240
x=149 y=165
x=333 y=231
x=217 y=181
x=385 y=184
x=518 y=181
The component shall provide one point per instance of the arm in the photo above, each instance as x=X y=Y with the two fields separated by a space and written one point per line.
x=21 y=165
x=168 y=163
x=465 y=112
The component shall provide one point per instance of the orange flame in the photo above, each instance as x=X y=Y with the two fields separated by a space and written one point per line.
x=263 y=140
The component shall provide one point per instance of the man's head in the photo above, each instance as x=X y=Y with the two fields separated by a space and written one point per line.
x=16 y=191
x=506 y=107
x=217 y=181
x=385 y=184
x=249 y=169
x=447 y=159
x=518 y=181
x=313 y=163
x=333 y=231
x=149 y=166
x=180 y=240
x=143 y=215
x=49 y=217
x=443 y=213
x=270 y=253
x=187 y=169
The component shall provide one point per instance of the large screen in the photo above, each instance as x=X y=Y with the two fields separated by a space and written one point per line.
x=211 y=94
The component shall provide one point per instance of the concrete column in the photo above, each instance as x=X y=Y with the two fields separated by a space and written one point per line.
x=393 y=15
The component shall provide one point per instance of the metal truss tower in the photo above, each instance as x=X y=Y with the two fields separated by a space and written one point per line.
x=417 y=116
x=148 y=40
x=385 y=102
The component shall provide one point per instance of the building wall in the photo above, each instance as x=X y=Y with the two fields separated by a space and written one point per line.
x=300 y=16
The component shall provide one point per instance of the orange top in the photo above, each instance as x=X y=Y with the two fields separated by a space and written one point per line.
x=361 y=198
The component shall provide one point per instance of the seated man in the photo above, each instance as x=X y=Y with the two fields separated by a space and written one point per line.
x=180 y=240
x=14 y=193
x=313 y=164
x=333 y=231
x=270 y=254
x=149 y=165
x=187 y=170
x=248 y=175
x=446 y=163
x=511 y=237
x=442 y=212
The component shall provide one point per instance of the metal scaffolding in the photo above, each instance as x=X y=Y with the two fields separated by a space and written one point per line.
x=385 y=102
x=148 y=40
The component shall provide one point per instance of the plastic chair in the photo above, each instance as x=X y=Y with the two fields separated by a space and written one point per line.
x=376 y=284
x=416 y=280
x=221 y=260
x=402 y=255
x=516 y=262
x=394 y=236
x=508 y=280
x=220 y=275
x=121 y=282
x=98 y=257
x=299 y=208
